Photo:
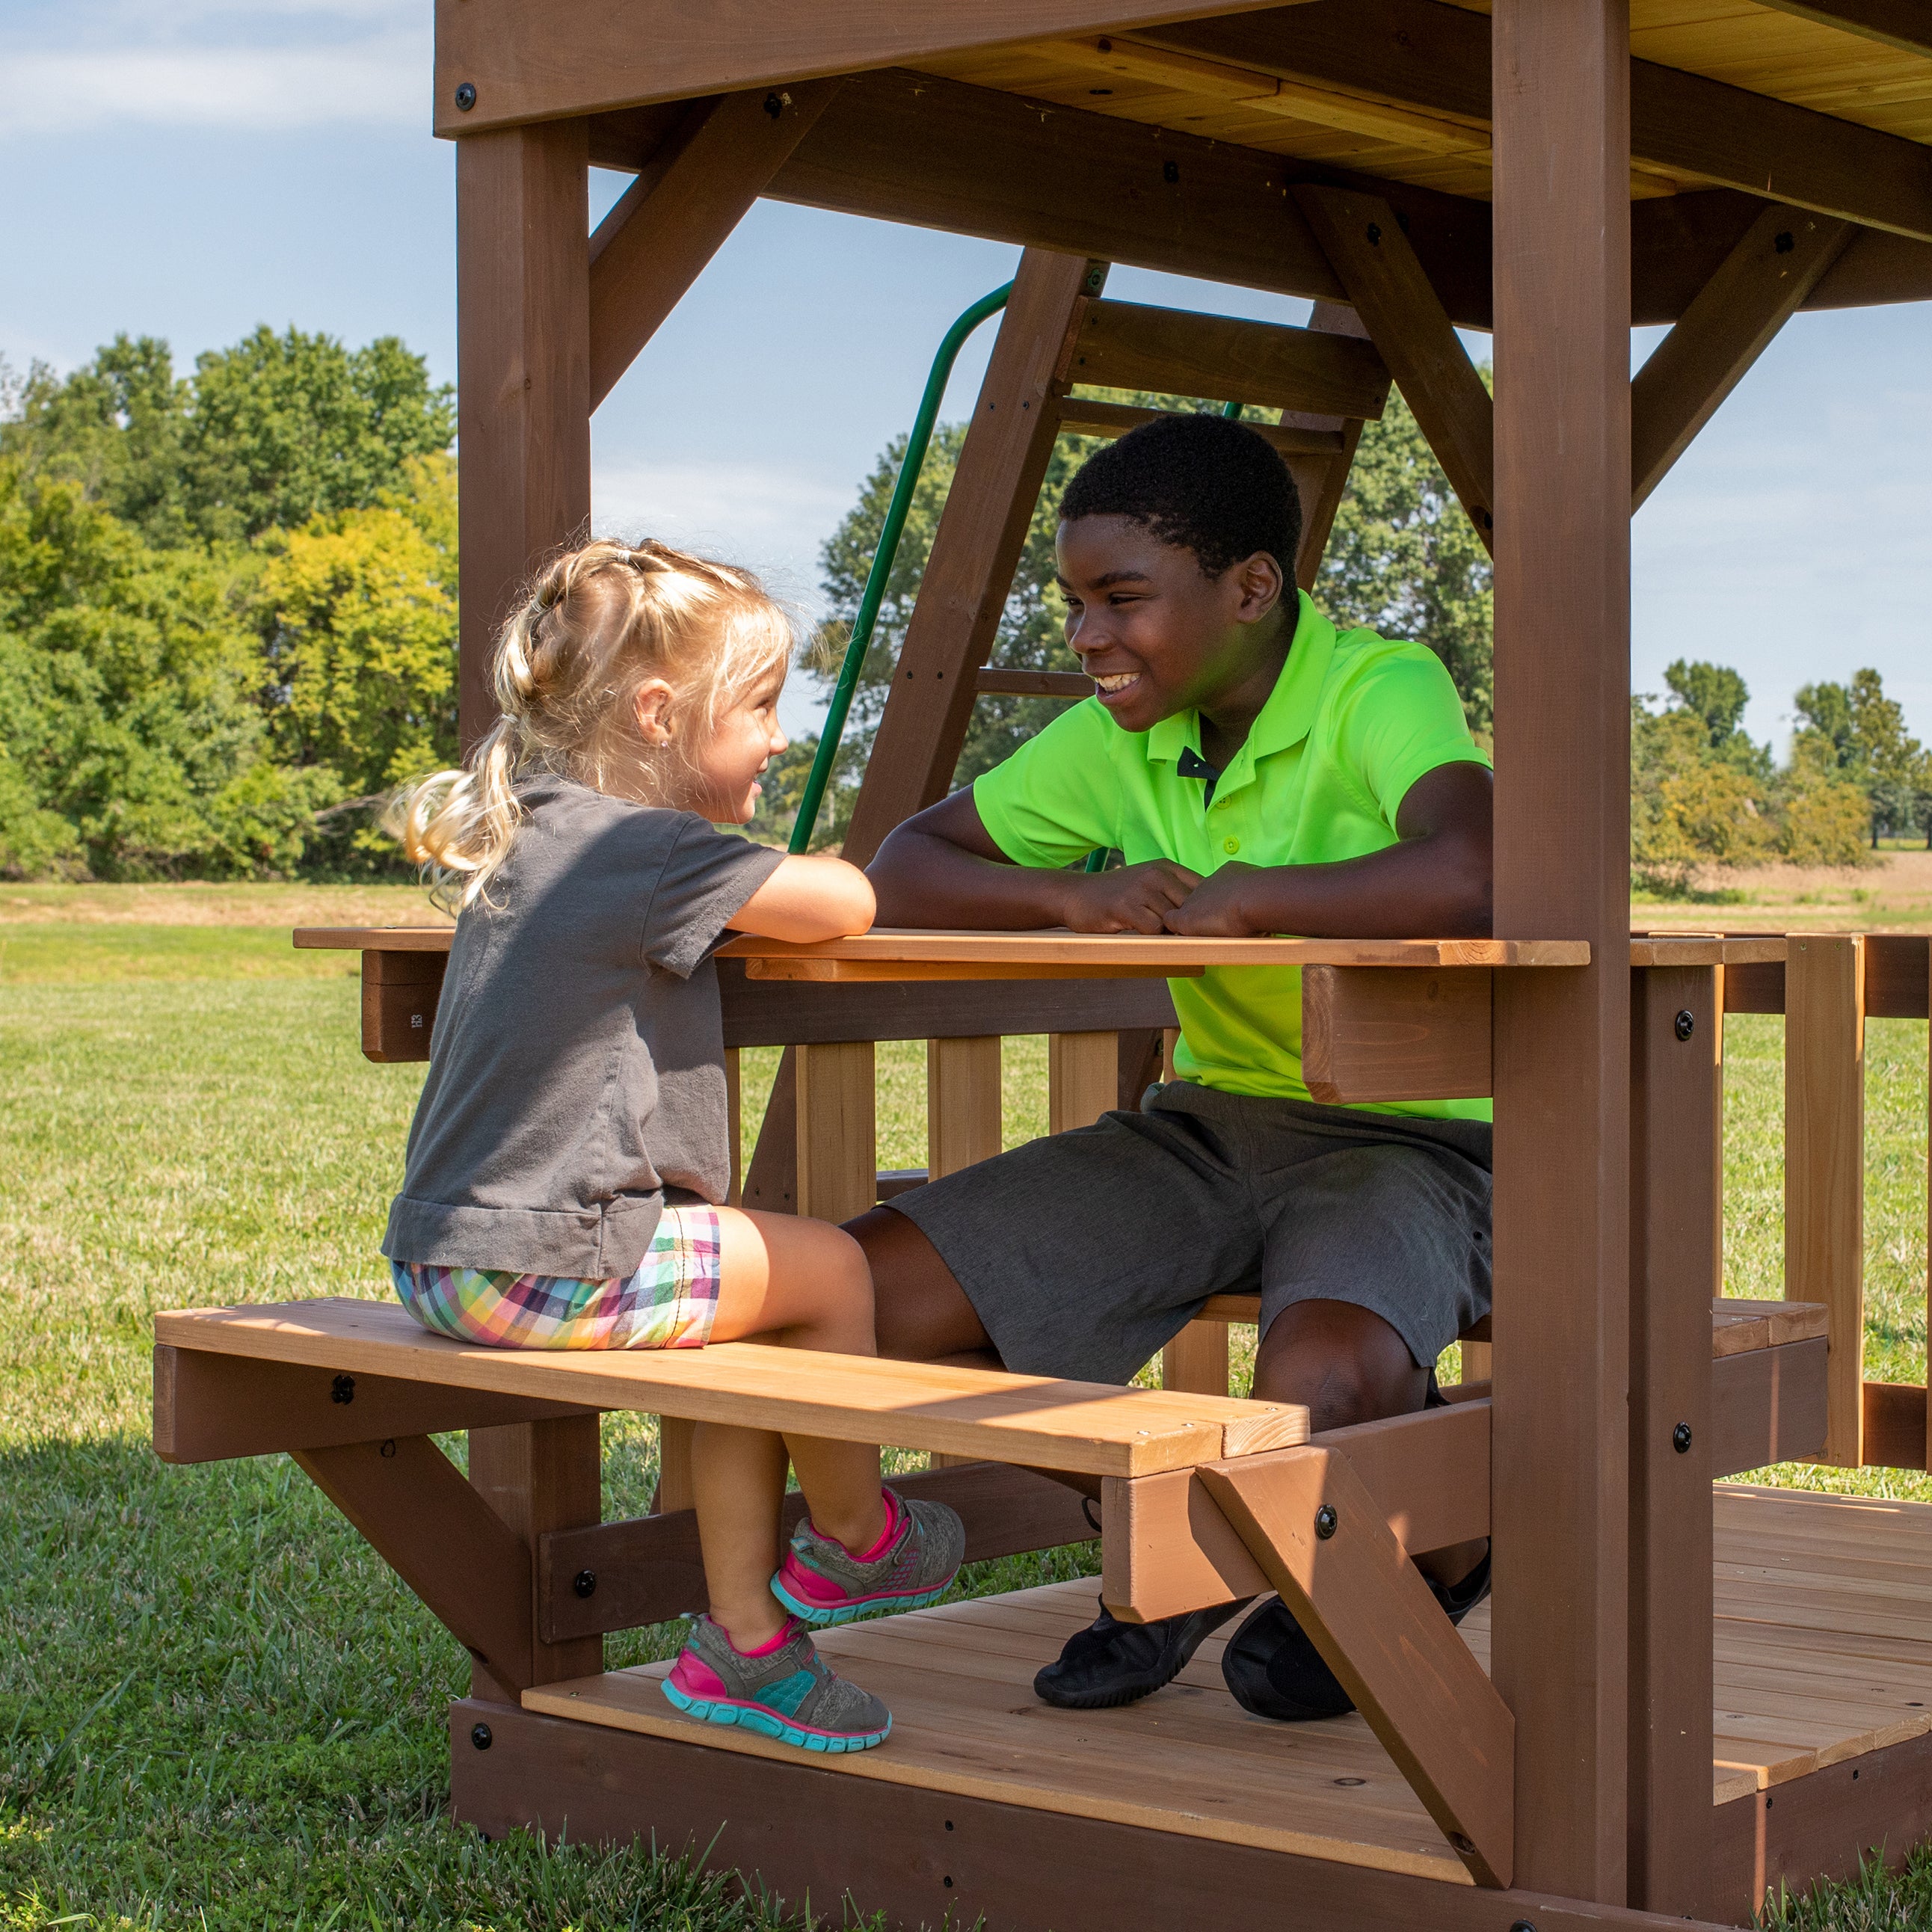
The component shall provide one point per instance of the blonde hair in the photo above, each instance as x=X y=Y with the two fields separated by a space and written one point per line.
x=596 y=625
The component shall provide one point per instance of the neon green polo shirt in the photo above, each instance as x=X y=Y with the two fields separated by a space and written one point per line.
x=1355 y=720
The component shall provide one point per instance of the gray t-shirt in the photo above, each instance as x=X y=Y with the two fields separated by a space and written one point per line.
x=577 y=1069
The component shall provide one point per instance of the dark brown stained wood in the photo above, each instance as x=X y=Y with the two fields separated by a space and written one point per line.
x=1896 y=974
x=581 y=56
x=523 y=375
x=1676 y=1267
x=771 y=1177
x=655 y=242
x=209 y=1408
x=1070 y=685
x=1755 y=989
x=1903 y=24
x=942 y=154
x=1562 y=1270
x=412 y=1504
x=1009 y=440
x=800 y=1831
x=1822 y=1827
x=1763 y=283
x=538 y=1477
x=1894 y=1425
x=1084 y=415
x=1133 y=345
x=400 y=994
x=1766 y=1407
x=1410 y=328
x=1372 y=1033
x=649 y=1569
x=1139 y=1058
x=1367 y=1610
x=1424 y=54
x=1320 y=484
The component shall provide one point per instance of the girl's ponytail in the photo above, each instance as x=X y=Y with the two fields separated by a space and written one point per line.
x=595 y=625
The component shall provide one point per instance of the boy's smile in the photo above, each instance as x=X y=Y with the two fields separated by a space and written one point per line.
x=1157 y=636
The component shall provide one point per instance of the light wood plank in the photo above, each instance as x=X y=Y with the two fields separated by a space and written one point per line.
x=1083 y=1076
x=1196 y=1359
x=962 y=1103
x=838 y=1129
x=1371 y=1033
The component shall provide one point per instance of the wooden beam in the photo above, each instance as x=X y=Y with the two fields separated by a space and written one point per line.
x=655 y=242
x=1322 y=485
x=1561 y=1040
x=1083 y=415
x=1767 y=1406
x=1196 y=1359
x=575 y=57
x=523 y=376
x=400 y=992
x=1824 y=1162
x=1903 y=24
x=1371 y=1033
x=963 y=1098
x=1408 y=324
x=1082 y=1079
x=1313 y=1526
x=838 y=1139
x=1132 y=345
x=1676 y=1233
x=1422 y=54
x=975 y=550
x=1762 y=283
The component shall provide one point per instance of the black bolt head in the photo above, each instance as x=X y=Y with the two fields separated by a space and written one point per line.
x=1374 y=235
x=389 y=1448
x=1680 y=1438
x=479 y=1736
x=1785 y=242
x=465 y=99
x=1523 y=1925
x=584 y=1582
x=342 y=1389
x=774 y=105
x=1326 y=1522
x=1685 y=1024
x=1170 y=171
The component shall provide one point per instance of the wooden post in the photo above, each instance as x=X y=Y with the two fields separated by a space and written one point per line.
x=1676 y=1267
x=1083 y=1079
x=1196 y=1360
x=522 y=374
x=1824 y=1165
x=1562 y=74
x=838 y=1137
x=962 y=1103
x=1321 y=481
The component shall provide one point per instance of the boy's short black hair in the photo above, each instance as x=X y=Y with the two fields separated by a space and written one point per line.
x=1204 y=483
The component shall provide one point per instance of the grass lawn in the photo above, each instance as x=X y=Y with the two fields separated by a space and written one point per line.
x=217 y=1708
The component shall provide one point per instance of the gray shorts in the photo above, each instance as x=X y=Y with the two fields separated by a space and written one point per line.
x=1084 y=1253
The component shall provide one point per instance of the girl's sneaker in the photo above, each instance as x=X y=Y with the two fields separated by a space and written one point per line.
x=911 y=1565
x=783 y=1690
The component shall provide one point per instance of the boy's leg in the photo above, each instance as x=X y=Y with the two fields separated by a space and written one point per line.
x=920 y=1313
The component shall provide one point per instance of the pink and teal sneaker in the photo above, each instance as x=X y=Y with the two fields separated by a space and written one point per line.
x=912 y=1564
x=782 y=1689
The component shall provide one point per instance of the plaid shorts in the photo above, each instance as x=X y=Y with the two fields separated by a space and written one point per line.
x=669 y=1303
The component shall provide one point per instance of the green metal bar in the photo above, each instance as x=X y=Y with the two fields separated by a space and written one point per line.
x=917 y=443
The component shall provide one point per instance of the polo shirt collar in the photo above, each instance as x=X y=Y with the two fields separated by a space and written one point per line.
x=1285 y=719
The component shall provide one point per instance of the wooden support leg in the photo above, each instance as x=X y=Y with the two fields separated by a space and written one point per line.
x=1082 y=1079
x=1196 y=1360
x=1824 y=1164
x=734 y=1107
x=522 y=374
x=838 y=1135
x=538 y=1477
x=1676 y=1262
x=1311 y=1523
x=1561 y=1040
x=962 y=1103
x=674 y=1491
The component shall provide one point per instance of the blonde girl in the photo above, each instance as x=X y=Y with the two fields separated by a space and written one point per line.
x=570 y=1151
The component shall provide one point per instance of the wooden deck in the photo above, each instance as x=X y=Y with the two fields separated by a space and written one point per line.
x=1824 y=1655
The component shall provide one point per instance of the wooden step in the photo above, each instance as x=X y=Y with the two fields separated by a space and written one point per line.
x=1091 y=1428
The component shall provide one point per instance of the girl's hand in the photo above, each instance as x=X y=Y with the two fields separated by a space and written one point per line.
x=1136 y=898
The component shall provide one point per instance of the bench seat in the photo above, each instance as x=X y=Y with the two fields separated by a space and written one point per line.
x=1085 y=1428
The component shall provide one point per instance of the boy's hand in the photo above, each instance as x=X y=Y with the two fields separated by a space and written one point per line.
x=1217 y=907
x=1136 y=898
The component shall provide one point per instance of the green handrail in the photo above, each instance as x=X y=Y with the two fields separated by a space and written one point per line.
x=917 y=445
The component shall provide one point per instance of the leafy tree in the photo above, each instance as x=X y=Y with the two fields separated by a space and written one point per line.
x=1858 y=731
x=1824 y=815
x=1689 y=803
x=1714 y=694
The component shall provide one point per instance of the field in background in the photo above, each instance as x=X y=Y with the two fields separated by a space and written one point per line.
x=1893 y=894
x=217 y=1708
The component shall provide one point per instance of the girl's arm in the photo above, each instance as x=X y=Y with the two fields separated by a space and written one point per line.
x=808 y=898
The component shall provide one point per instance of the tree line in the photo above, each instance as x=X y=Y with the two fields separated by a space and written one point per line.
x=228 y=628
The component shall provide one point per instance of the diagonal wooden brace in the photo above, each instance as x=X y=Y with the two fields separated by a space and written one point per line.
x=443 y=1540
x=1310 y=1522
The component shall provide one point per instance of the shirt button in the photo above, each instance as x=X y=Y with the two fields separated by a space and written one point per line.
x=1231 y=844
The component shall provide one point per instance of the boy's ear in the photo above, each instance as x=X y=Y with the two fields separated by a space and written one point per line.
x=1261 y=584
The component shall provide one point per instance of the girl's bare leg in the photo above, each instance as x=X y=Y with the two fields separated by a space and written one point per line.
x=799 y=1284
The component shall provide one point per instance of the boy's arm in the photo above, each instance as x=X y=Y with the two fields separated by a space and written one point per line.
x=1436 y=883
x=942 y=868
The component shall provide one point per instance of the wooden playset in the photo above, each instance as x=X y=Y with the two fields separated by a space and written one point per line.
x=1680 y=1695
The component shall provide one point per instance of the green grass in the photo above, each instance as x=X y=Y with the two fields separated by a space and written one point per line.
x=217 y=1708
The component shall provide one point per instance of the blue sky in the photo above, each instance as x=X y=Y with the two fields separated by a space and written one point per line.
x=192 y=170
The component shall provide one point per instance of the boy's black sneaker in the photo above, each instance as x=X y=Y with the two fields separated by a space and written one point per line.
x=1273 y=1670
x=1111 y=1662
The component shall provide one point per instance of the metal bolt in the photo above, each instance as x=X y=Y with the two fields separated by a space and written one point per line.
x=342 y=1389
x=1680 y=1438
x=1461 y=1842
x=1374 y=235
x=465 y=98
x=1686 y=1024
x=479 y=1736
x=389 y=1448
x=1786 y=241
x=1170 y=171
x=1326 y=1522
x=774 y=105
x=584 y=1582
x=1523 y=1925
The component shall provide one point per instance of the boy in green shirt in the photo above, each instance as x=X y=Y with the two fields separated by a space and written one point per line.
x=1259 y=773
